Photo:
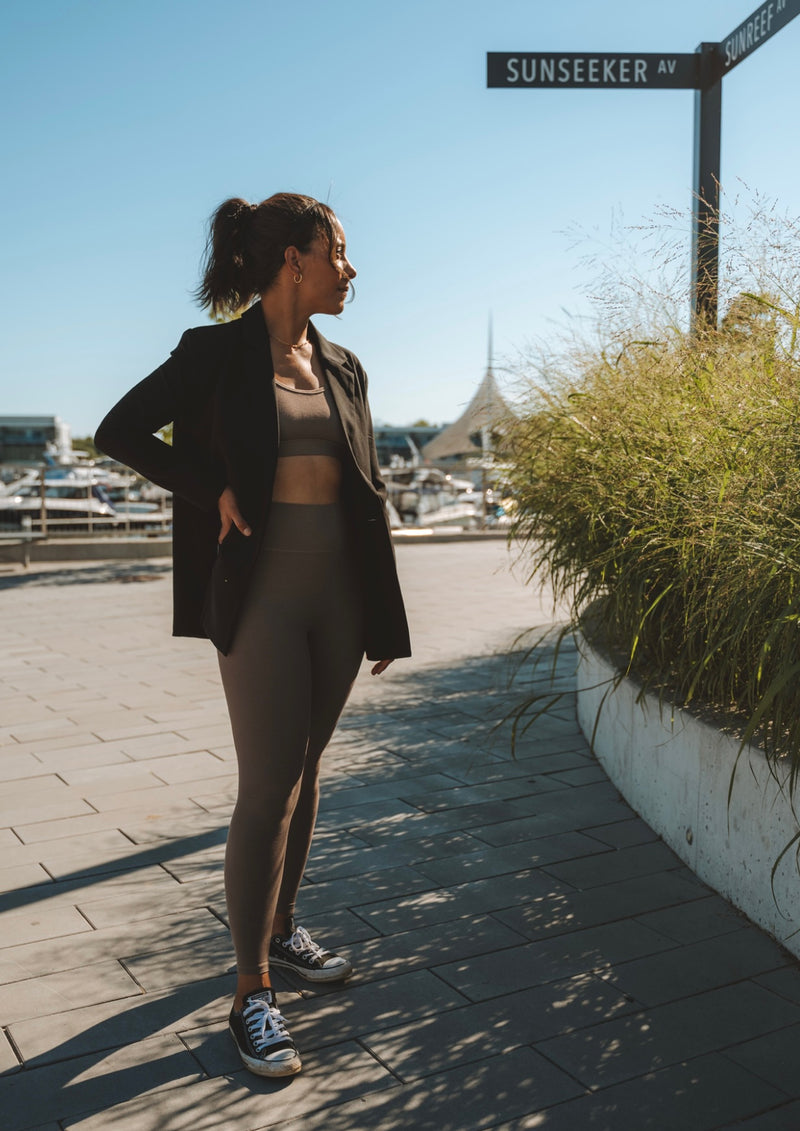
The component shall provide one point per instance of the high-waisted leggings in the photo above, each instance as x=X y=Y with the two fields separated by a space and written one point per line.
x=295 y=655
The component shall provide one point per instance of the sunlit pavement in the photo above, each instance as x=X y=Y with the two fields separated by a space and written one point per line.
x=528 y=954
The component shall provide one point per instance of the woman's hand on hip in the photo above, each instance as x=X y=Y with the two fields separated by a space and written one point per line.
x=381 y=666
x=230 y=515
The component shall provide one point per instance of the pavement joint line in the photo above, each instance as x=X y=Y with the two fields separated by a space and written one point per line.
x=376 y=1056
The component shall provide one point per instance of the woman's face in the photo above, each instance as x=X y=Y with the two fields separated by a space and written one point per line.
x=326 y=274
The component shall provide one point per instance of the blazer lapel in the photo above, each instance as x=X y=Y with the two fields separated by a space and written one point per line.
x=251 y=418
x=341 y=379
x=335 y=362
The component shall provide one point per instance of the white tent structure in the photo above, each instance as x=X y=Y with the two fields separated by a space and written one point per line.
x=470 y=437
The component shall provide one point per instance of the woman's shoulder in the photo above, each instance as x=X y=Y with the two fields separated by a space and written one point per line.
x=213 y=336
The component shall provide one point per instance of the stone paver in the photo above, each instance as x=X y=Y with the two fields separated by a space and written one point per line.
x=528 y=953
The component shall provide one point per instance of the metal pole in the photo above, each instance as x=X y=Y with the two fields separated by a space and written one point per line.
x=484 y=485
x=43 y=501
x=27 y=530
x=705 y=202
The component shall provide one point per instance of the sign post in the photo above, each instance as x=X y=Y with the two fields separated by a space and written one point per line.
x=703 y=72
x=705 y=210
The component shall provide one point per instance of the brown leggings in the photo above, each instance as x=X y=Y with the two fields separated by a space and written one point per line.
x=287 y=677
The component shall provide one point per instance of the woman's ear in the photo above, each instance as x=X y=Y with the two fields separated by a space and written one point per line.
x=292 y=259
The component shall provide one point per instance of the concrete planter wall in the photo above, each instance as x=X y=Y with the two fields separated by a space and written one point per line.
x=675 y=771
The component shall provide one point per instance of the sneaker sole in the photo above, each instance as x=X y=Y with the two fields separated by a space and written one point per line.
x=338 y=975
x=264 y=1068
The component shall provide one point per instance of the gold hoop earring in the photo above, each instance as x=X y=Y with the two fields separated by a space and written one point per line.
x=298 y=277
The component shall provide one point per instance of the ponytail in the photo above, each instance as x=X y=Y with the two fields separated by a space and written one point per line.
x=227 y=276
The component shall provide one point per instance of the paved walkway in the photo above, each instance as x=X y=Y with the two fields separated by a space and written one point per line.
x=529 y=954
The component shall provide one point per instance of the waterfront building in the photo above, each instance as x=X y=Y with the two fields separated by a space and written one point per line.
x=28 y=439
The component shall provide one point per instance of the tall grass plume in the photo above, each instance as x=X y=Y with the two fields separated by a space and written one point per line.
x=656 y=475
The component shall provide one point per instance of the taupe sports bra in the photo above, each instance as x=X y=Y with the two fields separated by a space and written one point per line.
x=308 y=422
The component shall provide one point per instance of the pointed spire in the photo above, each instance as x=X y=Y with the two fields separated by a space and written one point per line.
x=485 y=413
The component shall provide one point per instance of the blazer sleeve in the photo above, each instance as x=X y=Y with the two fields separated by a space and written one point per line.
x=374 y=466
x=171 y=393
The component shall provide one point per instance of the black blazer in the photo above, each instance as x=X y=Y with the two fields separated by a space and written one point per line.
x=217 y=390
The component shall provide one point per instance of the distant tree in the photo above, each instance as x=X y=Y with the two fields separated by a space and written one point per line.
x=85 y=444
x=421 y=423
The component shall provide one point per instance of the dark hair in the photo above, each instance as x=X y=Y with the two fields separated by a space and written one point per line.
x=246 y=245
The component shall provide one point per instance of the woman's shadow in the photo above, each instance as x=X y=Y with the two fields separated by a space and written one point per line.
x=142 y=1043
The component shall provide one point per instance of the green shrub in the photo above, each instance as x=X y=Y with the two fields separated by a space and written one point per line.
x=657 y=480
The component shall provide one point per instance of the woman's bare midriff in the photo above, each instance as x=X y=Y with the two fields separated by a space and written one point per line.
x=307 y=479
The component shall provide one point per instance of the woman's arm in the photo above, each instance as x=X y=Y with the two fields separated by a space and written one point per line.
x=166 y=395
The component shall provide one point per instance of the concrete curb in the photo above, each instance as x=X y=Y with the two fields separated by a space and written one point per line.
x=88 y=550
x=675 y=771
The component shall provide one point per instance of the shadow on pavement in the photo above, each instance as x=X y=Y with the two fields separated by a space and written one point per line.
x=86 y=575
x=460 y=710
x=82 y=879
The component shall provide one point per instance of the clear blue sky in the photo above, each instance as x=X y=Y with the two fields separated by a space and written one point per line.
x=125 y=123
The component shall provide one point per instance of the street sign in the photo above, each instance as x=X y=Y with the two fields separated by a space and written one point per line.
x=757 y=28
x=583 y=70
x=701 y=72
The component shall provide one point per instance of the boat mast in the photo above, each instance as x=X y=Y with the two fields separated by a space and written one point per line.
x=485 y=437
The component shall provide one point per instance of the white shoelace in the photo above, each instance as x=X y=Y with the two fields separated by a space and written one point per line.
x=265 y=1024
x=302 y=943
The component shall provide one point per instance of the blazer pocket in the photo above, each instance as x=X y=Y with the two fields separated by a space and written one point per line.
x=234 y=545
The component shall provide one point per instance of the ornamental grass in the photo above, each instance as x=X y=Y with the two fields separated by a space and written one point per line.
x=656 y=475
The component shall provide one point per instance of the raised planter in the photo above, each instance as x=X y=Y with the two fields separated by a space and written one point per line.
x=675 y=771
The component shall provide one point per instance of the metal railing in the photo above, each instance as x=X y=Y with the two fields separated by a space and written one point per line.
x=108 y=526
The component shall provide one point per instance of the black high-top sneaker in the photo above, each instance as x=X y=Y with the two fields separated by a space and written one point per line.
x=262 y=1038
x=300 y=953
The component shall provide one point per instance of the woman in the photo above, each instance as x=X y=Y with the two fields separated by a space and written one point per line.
x=282 y=557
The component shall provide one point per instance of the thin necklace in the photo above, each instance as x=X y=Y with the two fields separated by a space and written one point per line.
x=289 y=345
